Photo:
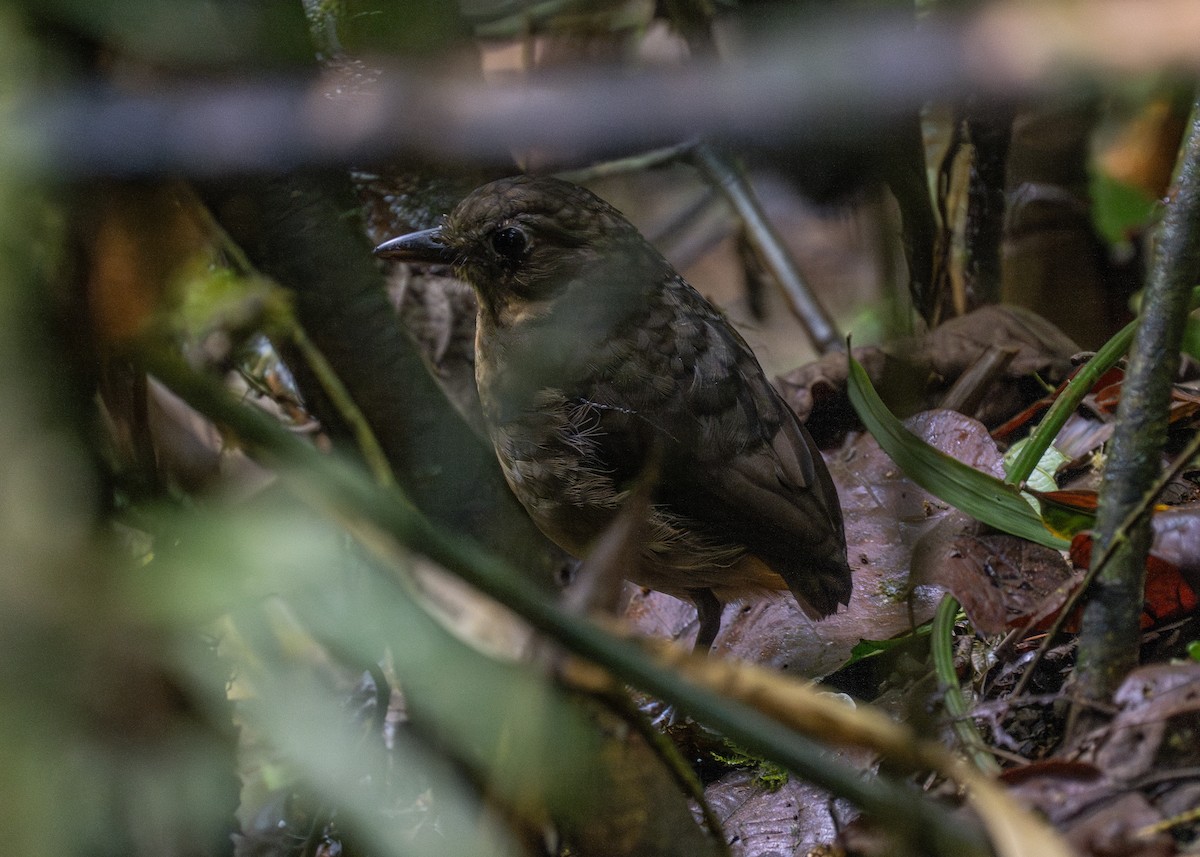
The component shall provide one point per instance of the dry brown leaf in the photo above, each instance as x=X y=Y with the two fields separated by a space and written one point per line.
x=1177 y=540
x=1001 y=581
x=1154 y=728
x=1133 y=771
x=140 y=238
x=759 y=823
x=816 y=391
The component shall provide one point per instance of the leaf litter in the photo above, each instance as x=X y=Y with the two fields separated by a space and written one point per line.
x=1130 y=789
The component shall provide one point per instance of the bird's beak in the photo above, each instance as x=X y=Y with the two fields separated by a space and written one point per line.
x=424 y=246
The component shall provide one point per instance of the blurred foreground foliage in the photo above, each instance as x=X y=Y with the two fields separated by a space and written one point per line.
x=155 y=617
x=174 y=616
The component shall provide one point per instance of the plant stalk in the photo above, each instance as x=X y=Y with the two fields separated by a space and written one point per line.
x=1110 y=633
x=904 y=811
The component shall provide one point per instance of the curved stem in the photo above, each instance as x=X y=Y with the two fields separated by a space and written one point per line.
x=941 y=646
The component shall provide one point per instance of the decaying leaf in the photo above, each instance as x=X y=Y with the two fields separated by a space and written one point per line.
x=1172 y=577
x=816 y=391
x=1092 y=813
x=937 y=360
x=1001 y=581
x=1177 y=540
x=1133 y=772
x=793 y=819
x=1042 y=349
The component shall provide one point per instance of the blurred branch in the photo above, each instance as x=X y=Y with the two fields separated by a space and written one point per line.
x=296 y=230
x=905 y=812
x=989 y=132
x=819 y=81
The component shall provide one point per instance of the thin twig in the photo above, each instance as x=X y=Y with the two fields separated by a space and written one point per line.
x=632 y=164
x=728 y=176
x=347 y=408
x=1110 y=630
x=1101 y=559
x=969 y=388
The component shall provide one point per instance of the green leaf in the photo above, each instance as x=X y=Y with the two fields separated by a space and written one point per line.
x=1064 y=405
x=1118 y=208
x=865 y=648
x=1042 y=477
x=1069 y=399
x=980 y=495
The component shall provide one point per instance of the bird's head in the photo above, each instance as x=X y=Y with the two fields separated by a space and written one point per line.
x=523 y=241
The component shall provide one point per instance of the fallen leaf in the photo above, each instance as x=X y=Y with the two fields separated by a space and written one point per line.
x=1067 y=513
x=1170 y=591
x=984 y=496
x=1001 y=581
x=760 y=823
x=816 y=391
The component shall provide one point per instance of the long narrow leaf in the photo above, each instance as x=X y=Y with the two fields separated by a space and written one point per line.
x=980 y=495
x=1078 y=387
x=1069 y=399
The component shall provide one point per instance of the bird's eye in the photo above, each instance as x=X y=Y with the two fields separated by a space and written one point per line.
x=511 y=242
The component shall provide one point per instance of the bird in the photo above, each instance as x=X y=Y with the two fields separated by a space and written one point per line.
x=597 y=364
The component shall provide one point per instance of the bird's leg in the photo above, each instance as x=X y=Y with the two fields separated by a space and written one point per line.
x=708 y=612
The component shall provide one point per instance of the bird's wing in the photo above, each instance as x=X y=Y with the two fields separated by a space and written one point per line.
x=735 y=461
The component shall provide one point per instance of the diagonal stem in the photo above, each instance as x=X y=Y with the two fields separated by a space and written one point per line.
x=1110 y=633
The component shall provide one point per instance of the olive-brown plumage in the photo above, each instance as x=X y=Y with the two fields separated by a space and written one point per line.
x=594 y=358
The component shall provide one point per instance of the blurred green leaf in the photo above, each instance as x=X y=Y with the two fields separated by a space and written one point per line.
x=1042 y=477
x=1118 y=208
x=872 y=648
x=306 y=604
x=189 y=32
x=982 y=496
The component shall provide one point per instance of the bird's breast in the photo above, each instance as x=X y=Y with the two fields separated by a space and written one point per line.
x=551 y=458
